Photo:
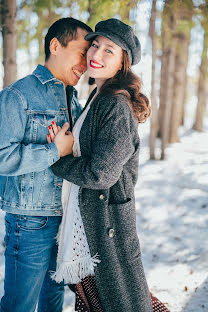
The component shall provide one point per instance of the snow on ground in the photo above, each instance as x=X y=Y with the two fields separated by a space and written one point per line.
x=172 y=221
x=172 y=210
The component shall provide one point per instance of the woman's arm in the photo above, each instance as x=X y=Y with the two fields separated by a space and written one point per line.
x=115 y=143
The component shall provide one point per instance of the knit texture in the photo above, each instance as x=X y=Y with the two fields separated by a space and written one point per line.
x=121 y=34
x=74 y=261
x=106 y=173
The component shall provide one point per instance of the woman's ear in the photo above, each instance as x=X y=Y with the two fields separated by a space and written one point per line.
x=54 y=46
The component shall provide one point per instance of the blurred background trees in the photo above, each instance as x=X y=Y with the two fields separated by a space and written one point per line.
x=9 y=35
x=174 y=36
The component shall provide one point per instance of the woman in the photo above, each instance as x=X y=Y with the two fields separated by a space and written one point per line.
x=99 y=224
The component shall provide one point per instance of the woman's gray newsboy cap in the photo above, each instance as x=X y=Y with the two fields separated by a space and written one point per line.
x=121 y=34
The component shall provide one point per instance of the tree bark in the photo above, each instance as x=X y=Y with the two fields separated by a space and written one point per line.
x=167 y=76
x=183 y=12
x=154 y=117
x=185 y=86
x=165 y=127
x=201 y=105
x=181 y=60
x=9 y=35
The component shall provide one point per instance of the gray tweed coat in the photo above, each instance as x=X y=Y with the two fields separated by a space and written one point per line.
x=106 y=173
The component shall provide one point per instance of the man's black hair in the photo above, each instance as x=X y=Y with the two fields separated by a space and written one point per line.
x=65 y=30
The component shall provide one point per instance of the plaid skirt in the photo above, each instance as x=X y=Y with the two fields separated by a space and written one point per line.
x=87 y=299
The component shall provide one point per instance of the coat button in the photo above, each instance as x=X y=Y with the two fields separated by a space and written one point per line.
x=101 y=196
x=111 y=233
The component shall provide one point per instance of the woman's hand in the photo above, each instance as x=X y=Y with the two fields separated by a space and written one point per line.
x=53 y=131
x=63 y=138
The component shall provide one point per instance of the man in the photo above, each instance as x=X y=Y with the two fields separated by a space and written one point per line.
x=30 y=194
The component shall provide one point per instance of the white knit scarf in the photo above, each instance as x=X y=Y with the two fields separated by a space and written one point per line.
x=74 y=261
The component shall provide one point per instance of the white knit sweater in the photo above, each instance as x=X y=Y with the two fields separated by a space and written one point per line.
x=74 y=261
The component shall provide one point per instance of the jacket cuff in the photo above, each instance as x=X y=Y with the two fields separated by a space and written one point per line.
x=53 y=154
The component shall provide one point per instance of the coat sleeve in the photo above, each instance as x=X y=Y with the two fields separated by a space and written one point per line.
x=17 y=158
x=113 y=147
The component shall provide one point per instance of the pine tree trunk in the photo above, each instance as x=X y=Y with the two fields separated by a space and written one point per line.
x=186 y=52
x=176 y=26
x=181 y=60
x=154 y=117
x=163 y=82
x=9 y=41
x=201 y=105
x=166 y=113
x=167 y=77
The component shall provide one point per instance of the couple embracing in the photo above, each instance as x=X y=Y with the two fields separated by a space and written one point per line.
x=68 y=175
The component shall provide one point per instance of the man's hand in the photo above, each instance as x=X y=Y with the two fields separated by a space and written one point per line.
x=63 y=138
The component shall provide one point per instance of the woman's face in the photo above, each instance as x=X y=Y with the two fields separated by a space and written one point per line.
x=104 y=59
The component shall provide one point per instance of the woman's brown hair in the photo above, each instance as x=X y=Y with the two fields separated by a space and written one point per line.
x=127 y=83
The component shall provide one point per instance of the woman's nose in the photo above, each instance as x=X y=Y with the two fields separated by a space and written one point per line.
x=97 y=55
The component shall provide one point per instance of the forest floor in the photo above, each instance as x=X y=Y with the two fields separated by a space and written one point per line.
x=172 y=222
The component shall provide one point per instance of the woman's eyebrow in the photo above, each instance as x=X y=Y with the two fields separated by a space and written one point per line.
x=106 y=44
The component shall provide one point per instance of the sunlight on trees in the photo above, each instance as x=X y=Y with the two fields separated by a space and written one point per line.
x=174 y=36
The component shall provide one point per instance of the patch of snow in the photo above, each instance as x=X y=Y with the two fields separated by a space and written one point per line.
x=172 y=223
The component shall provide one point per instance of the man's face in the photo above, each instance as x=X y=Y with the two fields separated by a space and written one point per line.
x=70 y=61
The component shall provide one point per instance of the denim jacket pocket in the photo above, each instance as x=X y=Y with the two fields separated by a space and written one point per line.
x=43 y=118
x=40 y=122
x=29 y=223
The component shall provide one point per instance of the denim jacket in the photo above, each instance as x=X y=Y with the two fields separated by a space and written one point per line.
x=27 y=107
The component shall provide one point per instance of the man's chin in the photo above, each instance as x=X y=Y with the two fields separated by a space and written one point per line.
x=74 y=82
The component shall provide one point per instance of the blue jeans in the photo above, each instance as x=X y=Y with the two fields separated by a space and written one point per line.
x=30 y=256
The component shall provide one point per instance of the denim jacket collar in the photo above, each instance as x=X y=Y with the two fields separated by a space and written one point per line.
x=32 y=103
x=43 y=74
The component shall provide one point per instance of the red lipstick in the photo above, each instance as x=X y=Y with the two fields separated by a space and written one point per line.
x=95 y=64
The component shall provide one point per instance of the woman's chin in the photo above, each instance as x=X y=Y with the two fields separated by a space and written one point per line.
x=91 y=74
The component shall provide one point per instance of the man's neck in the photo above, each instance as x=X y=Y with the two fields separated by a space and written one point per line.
x=51 y=68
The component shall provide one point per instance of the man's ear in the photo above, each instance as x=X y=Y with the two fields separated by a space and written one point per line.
x=54 y=46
